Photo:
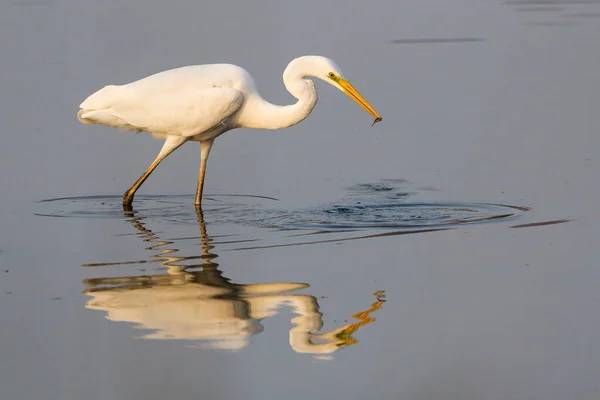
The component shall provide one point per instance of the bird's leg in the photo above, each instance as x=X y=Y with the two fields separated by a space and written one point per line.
x=205 y=146
x=171 y=144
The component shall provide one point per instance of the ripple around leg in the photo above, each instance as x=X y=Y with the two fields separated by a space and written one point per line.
x=367 y=211
x=377 y=208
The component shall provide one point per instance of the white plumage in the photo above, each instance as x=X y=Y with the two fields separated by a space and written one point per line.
x=199 y=103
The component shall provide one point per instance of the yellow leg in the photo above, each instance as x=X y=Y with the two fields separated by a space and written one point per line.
x=204 y=152
x=171 y=144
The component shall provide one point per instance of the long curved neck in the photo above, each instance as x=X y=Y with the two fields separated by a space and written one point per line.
x=265 y=115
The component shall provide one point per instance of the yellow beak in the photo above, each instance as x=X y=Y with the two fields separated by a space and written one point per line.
x=353 y=93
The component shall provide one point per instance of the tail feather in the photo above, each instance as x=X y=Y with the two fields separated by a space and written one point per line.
x=104 y=98
x=105 y=117
x=99 y=108
x=81 y=118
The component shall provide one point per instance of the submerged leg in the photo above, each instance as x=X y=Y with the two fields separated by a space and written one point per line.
x=171 y=144
x=204 y=151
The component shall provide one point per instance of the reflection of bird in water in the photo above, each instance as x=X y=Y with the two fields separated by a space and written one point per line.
x=199 y=103
x=203 y=305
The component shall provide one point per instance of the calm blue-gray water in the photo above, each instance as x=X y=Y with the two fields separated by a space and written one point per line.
x=449 y=252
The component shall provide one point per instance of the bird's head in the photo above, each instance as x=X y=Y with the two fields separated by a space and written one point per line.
x=328 y=71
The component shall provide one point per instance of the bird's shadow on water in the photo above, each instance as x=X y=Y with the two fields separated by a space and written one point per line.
x=191 y=300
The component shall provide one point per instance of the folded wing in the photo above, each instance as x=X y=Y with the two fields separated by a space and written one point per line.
x=179 y=113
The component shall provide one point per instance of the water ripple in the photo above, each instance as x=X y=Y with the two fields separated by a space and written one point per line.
x=385 y=204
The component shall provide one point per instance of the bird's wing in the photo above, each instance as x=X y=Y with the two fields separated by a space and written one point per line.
x=181 y=113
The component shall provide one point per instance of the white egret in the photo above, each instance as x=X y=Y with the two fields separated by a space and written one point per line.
x=198 y=103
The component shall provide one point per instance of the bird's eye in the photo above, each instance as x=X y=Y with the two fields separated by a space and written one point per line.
x=331 y=74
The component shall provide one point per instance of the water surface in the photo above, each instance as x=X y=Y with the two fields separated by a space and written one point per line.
x=448 y=252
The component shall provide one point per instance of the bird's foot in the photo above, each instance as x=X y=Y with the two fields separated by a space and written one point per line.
x=127 y=199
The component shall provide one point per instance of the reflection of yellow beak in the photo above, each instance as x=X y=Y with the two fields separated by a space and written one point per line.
x=353 y=93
